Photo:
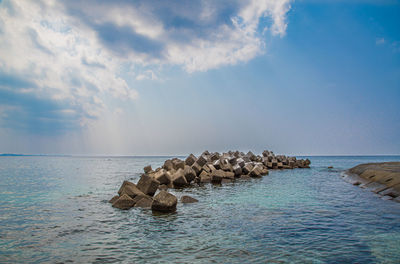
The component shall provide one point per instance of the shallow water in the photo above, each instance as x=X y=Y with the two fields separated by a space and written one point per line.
x=54 y=209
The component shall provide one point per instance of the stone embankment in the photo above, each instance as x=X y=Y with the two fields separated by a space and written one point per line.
x=381 y=178
x=209 y=167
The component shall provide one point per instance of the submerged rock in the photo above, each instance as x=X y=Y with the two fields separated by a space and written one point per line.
x=124 y=202
x=164 y=202
x=144 y=202
x=112 y=200
x=188 y=199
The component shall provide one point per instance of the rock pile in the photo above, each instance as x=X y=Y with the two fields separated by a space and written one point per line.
x=209 y=167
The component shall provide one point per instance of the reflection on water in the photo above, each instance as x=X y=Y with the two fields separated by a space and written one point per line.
x=54 y=209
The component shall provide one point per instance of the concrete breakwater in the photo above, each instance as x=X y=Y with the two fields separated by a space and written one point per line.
x=209 y=167
x=381 y=178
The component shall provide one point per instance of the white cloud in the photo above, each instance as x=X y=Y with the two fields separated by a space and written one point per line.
x=73 y=52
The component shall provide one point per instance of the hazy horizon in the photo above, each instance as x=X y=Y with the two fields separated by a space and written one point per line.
x=126 y=78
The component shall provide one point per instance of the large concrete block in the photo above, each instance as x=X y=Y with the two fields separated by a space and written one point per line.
x=202 y=160
x=148 y=185
x=178 y=179
x=189 y=174
x=190 y=160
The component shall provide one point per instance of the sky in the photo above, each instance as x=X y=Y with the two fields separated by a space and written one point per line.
x=143 y=77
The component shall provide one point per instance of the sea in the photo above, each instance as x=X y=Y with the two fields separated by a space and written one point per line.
x=54 y=209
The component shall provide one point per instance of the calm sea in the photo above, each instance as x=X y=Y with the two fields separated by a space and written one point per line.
x=54 y=209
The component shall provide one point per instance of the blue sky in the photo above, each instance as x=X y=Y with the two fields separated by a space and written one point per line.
x=151 y=78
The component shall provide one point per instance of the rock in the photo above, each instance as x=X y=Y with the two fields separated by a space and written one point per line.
x=229 y=175
x=330 y=167
x=280 y=165
x=178 y=179
x=217 y=164
x=201 y=160
x=125 y=183
x=240 y=162
x=204 y=177
x=196 y=168
x=124 y=202
x=163 y=187
x=145 y=202
x=237 y=170
x=178 y=164
x=247 y=168
x=217 y=176
x=164 y=202
x=129 y=189
x=190 y=160
x=211 y=167
x=189 y=174
x=215 y=156
x=148 y=185
x=114 y=199
x=147 y=169
x=226 y=180
x=206 y=168
x=256 y=171
x=168 y=165
x=162 y=176
x=188 y=199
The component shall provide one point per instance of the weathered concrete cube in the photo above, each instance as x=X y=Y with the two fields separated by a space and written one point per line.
x=164 y=202
x=202 y=160
x=204 y=177
x=168 y=165
x=237 y=170
x=145 y=202
x=131 y=190
x=178 y=179
x=229 y=175
x=162 y=177
x=215 y=156
x=280 y=165
x=197 y=168
x=217 y=164
x=232 y=160
x=190 y=160
x=240 y=162
x=189 y=174
x=247 y=168
x=148 y=185
x=147 y=169
x=124 y=202
x=217 y=176
x=178 y=164
x=256 y=171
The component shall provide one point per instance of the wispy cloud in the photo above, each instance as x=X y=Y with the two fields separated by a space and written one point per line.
x=69 y=55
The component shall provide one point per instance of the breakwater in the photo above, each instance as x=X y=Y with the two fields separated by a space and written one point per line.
x=151 y=191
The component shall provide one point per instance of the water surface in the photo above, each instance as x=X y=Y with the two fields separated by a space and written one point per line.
x=54 y=209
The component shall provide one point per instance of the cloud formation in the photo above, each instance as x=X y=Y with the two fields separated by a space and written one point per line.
x=66 y=57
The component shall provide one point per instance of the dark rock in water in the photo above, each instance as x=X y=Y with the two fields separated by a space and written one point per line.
x=162 y=176
x=147 y=169
x=145 y=202
x=178 y=179
x=114 y=199
x=164 y=202
x=140 y=197
x=188 y=199
x=226 y=180
x=189 y=174
x=148 y=185
x=124 y=202
x=217 y=176
x=196 y=168
x=131 y=190
x=330 y=167
x=190 y=160
x=204 y=177
x=237 y=170
x=125 y=183
x=247 y=168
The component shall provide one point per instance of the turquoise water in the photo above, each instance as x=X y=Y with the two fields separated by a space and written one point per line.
x=54 y=209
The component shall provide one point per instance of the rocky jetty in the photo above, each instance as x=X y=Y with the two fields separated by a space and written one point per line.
x=381 y=178
x=215 y=168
